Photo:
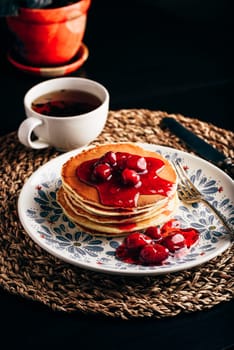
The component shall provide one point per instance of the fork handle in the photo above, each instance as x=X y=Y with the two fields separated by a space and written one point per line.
x=220 y=216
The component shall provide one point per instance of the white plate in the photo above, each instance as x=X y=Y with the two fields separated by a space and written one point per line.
x=46 y=224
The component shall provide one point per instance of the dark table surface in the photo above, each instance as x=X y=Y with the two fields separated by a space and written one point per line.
x=154 y=55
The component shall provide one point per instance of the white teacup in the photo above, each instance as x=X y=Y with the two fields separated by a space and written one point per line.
x=63 y=132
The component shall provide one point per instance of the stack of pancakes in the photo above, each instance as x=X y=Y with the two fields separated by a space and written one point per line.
x=81 y=200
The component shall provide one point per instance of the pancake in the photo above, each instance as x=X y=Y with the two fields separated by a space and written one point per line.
x=112 y=206
x=90 y=193
x=98 y=227
x=110 y=211
x=112 y=219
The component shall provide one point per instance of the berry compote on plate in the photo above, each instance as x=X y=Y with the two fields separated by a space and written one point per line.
x=155 y=244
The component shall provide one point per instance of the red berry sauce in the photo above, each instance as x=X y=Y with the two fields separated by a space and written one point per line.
x=155 y=245
x=121 y=177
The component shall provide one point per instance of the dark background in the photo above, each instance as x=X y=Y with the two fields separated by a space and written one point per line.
x=174 y=56
x=166 y=55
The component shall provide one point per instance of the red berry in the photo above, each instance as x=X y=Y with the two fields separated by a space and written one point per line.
x=121 y=160
x=174 y=242
x=122 y=251
x=110 y=158
x=153 y=254
x=127 y=255
x=102 y=171
x=130 y=177
x=151 y=247
x=136 y=240
x=154 y=232
x=191 y=236
x=136 y=163
x=169 y=226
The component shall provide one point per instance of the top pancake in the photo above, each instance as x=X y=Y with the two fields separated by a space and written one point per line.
x=89 y=194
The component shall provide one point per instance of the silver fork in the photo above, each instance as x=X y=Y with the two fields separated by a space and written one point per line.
x=189 y=193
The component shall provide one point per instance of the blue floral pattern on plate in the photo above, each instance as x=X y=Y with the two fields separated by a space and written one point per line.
x=46 y=223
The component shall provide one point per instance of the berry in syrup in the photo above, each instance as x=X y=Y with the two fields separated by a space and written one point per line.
x=130 y=177
x=114 y=173
x=155 y=233
x=109 y=158
x=121 y=159
x=102 y=171
x=153 y=254
x=136 y=163
x=174 y=241
x=169 y=225
x=136 y=240
x=155 y=245
x=191 y=236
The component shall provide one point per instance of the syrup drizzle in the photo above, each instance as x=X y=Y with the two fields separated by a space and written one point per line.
x=114 y=193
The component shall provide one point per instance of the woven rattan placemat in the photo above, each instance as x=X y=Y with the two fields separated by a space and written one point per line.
x=29 y=271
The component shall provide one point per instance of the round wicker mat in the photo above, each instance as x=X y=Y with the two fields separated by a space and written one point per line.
x=29 y=271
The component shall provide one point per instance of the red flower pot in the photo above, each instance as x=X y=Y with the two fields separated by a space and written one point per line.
x=49 y=37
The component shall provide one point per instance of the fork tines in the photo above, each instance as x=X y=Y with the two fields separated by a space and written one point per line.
x=185 y=186
x=188 y=193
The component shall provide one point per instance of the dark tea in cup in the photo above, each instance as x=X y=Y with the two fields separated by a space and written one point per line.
x=66 y=103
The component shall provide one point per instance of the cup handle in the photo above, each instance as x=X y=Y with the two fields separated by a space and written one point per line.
x=25 y=132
